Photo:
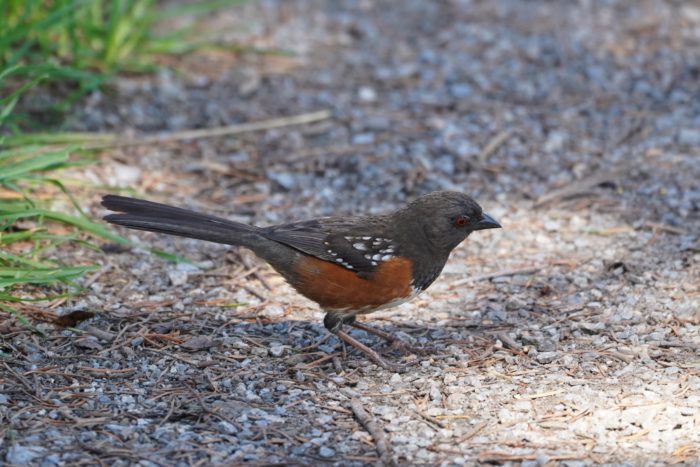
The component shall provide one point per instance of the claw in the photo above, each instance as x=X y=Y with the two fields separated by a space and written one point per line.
x=404 y=347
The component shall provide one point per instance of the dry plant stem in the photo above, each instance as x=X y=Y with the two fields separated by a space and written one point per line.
x=301 y=119
x=585 y=184
x=373 y=428
x=495 y=143
x=504 y=273
x=371 y=354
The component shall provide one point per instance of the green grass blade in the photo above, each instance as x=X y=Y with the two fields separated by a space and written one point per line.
x=82 y=223
x=38 y=163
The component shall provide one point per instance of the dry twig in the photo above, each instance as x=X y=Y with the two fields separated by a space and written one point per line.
x=118 y=141
x=492 y=275
x=581 y=186
x=373 y=428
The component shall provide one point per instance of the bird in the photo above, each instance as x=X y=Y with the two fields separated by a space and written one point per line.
x=349 y=265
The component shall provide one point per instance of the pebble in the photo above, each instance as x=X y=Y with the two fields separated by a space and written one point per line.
x=23 y=455
x=546 y=345
x=689 y=136
x=592 y=328
x=555 y=141
x=367 y=94
x=284 y=179
x=276 y=349
x=136 y=341
x=177 y=277
x=125 y=175
x=546 y=357
x=273 y=311
x=363 y=138
x=326 y=452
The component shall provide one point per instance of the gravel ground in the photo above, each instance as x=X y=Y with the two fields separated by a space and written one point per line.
x=570 y=336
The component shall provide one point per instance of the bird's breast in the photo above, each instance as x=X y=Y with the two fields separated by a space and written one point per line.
x=336 y=288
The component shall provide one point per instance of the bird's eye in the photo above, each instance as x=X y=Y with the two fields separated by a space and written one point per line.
x=461 y=221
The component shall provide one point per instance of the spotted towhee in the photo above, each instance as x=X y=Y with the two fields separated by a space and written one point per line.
x=348 y=265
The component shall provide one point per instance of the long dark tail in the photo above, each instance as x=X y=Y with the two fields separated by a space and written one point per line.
x=155 y=217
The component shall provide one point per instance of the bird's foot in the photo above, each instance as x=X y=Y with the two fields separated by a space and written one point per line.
x=406 y=347
x=371 y=354
x=395 y=342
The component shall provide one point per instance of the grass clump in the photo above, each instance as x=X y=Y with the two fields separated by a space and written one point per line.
x=80 y=44
x=63 y=48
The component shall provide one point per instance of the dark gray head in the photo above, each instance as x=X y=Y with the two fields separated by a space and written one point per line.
x=447 y=218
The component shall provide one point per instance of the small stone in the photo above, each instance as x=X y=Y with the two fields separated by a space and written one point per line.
x=363 y=138
x=326 y=452
x=136 y=341
x=177 y=277
x=580 y=281
x=23 y=455
x=276 y=349
x=689 y=137
x=555 y=141
x=435 y=393
x=691 y=13
x=127 y=399
x=531 y=339
x=449 y=378
x=188 y=267
x=457 y=401
x=592 y=328
x=90 y=343
x=201 y=342
x=367 y=94
x=395 y=379
x=284 y=179
x=551 y=225
x=125 y=175
x=273 y=311
x=546 y=357
x=227 y=427
x=515 y=303
x=546 y=345
x=496 y=314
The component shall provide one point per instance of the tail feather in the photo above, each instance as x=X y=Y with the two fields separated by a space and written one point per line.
x=155 y=217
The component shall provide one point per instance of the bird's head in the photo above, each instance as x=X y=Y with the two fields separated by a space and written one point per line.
x=448 y=217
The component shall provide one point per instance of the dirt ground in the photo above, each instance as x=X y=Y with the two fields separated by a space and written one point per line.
x=570 y=336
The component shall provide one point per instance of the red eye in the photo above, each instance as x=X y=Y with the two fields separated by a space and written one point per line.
x=461 y=221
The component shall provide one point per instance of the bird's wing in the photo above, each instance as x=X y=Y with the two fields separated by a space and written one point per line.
x=338 y=240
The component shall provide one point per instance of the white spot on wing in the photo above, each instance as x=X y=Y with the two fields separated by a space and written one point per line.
x=359 y=246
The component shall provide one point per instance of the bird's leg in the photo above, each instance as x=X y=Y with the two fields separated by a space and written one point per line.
x=394 y=341
x=334 y=322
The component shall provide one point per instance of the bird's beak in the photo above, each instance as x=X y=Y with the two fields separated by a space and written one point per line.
x=487 y=222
